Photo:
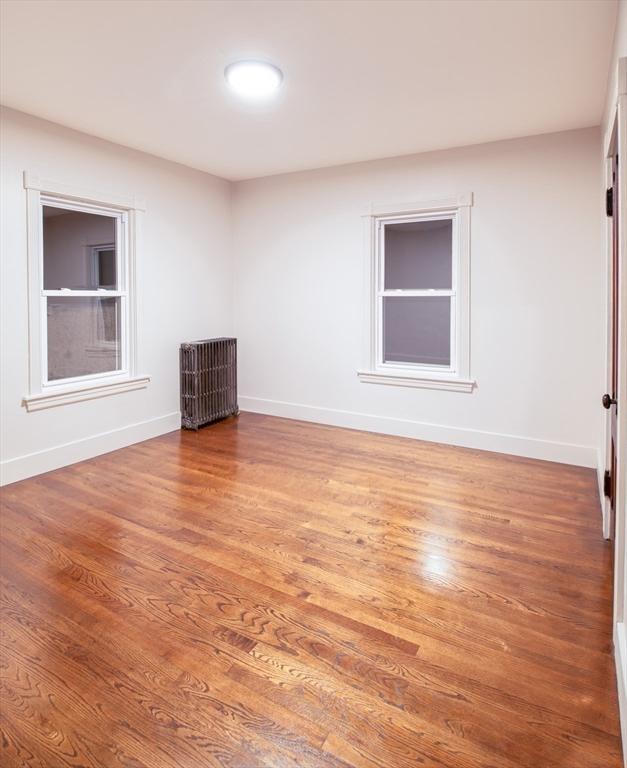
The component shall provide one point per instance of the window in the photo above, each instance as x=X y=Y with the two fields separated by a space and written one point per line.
x=418 y=295
x=81 y=299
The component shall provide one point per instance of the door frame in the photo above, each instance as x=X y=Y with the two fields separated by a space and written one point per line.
x=608 y=468
x=616 y=141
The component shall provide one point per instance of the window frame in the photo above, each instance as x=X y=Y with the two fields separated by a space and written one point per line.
x=121 y=292
x=45 y=393
x=456 y=376
x=96 y=250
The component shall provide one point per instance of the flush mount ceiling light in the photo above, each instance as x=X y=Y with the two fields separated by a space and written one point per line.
x=253 y=80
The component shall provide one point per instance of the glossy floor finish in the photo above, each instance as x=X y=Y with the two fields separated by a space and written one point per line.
x=272 y=593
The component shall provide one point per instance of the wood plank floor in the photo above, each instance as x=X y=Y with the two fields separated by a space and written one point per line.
x=272 y=593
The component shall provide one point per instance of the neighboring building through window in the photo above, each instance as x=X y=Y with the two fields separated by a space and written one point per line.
x=419 y=297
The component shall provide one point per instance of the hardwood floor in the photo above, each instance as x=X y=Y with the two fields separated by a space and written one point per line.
x=272 y=593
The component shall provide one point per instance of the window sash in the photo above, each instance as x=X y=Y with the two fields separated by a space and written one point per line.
x=381 y=292
x=98 y=293
x=121 y=372
x=385 y=364
x=122 y=275
x=413 y=292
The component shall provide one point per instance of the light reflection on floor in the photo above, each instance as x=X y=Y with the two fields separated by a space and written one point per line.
x=436 y=564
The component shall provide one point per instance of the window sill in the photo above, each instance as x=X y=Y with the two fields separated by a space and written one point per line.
x=450 y=384
x=77 y=394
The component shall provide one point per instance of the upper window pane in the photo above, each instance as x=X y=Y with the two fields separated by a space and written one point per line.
x=418 y=255
x=79 y=250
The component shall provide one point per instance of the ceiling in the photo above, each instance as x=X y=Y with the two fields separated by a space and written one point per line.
x=364 y=79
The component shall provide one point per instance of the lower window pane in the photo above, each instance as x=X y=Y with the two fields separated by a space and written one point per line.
x=83 y=336
x=417 y=329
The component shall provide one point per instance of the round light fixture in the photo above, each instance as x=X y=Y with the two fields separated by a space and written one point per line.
x=253 y=80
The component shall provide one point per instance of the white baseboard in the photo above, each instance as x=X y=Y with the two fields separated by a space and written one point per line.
x=566 y=453
x=620 y=657
x=22 y=467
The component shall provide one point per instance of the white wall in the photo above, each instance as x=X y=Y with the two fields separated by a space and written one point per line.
x=537 y=318
x=185 y=288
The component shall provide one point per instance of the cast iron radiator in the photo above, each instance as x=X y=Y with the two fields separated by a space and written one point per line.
x=208 y=381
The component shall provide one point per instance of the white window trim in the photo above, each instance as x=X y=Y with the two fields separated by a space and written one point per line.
x=44 y=394
x=374 y=370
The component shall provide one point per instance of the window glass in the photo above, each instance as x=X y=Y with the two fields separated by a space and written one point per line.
x=418 y=255
x=83 y=336
x=78 y=249
x=417 y=329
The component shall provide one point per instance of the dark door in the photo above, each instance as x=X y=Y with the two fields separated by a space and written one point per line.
x=610 y=399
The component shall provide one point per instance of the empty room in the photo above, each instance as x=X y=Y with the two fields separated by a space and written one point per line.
x=313 y=383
